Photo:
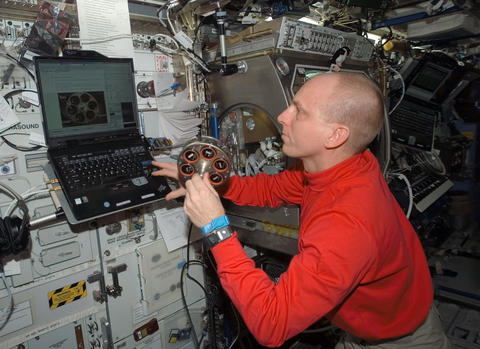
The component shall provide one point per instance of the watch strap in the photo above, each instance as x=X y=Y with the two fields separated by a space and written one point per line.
x=216 y=223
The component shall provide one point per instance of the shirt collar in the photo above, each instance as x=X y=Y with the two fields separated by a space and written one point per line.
x=348 y=168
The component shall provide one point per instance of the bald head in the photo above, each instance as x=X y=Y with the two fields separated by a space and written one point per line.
x=354 y=101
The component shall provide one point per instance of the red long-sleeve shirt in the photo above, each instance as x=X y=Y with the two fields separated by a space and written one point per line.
x=360 y=262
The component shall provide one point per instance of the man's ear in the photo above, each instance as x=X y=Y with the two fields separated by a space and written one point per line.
x=338 y=136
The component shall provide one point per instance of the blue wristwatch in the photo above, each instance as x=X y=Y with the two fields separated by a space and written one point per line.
x=216 y=223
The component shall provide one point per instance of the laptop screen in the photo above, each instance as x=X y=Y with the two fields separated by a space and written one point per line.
x=86 y=97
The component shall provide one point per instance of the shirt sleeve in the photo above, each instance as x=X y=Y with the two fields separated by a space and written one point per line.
x=262 y=189
x=330 y=264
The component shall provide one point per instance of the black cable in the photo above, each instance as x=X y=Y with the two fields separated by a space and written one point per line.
x=202 y=80
x=9 y=143
x=17 y=133
x=237 y=318
x=16 y=92
x=188 y=260
x=184 y=300
x=173 y=36
x=19 y=147
x=376 y=53
x=195 y=35
x=196 y=56
x=12 y=145
x=20 y=64
x=201 y=339
x=213 y=69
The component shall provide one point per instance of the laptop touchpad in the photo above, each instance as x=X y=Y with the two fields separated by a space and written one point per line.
x=139 y=181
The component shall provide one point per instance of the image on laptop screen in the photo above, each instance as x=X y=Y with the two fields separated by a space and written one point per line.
x=83 y=97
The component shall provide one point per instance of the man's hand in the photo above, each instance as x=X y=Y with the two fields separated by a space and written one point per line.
x=202 y=203
x=169 y=169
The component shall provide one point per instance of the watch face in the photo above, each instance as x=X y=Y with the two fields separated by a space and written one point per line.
x=218 y=235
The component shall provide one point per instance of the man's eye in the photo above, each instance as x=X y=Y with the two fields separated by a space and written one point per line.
x=298 y=113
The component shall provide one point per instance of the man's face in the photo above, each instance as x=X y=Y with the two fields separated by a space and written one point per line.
x=304 y=130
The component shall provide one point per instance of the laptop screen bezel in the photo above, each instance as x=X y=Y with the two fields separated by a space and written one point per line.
x=62 y=141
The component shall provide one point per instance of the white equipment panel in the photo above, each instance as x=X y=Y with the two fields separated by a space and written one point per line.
x=303 y=37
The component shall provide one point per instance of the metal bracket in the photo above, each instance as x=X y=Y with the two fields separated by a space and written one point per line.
x=98 y=295
x=115 y=290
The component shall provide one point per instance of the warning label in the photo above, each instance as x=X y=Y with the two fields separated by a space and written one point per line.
x=67 y=294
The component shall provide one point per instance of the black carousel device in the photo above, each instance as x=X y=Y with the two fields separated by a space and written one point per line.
x=206 y=155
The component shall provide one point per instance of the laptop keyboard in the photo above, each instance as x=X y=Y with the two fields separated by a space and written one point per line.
x=83 y=171
x=428 y=189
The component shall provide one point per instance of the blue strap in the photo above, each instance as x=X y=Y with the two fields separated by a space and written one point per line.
x=216 y=223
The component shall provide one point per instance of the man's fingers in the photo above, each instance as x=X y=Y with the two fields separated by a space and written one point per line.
x=199 y=184
x=175 y=194
x=196 y=182
x=164 y=164
x=166 y=173
x=197 y=188
x=168 y=169
x=206 y=181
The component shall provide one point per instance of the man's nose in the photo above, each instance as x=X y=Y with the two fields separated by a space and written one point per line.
x=283 y=117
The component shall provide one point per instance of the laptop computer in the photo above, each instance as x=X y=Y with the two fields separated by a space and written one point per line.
x=90 y=121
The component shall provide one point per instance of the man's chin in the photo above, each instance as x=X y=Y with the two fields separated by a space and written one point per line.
x=287 y=151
